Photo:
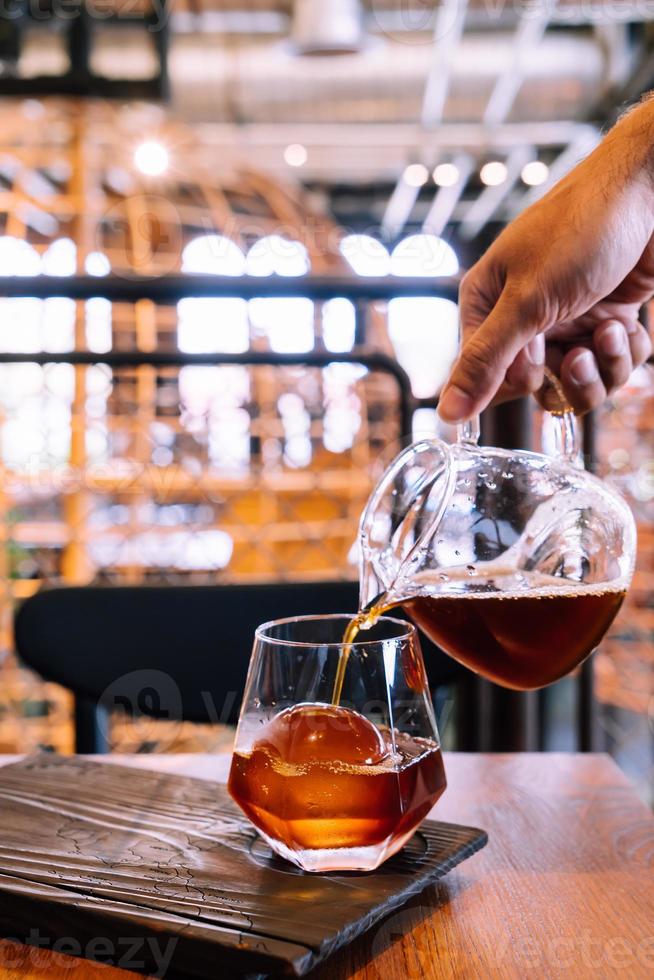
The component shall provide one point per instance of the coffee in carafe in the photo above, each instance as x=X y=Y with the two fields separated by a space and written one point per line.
x=523 y=639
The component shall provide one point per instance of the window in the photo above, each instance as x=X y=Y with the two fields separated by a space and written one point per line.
x=424 y=255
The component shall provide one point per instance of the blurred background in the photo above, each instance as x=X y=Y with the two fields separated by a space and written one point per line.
x=163 y=167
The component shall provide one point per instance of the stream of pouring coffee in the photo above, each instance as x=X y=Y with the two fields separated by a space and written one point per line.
x=363 y=620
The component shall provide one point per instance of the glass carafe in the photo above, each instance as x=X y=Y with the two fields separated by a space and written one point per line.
x=513 y=562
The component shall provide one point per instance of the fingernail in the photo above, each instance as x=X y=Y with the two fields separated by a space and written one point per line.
x=583 y=369
x=535 y=350
x=613 y=341
x=454 y=405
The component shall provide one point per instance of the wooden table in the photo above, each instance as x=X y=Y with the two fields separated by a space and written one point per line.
x=565 y=887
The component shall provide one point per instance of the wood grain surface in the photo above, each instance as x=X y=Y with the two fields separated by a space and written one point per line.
x=89 y=850
x=565 y=887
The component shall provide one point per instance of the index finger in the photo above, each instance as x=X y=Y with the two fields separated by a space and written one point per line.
x=486 y=356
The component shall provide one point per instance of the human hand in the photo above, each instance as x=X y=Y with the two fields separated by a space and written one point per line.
x=563 y=284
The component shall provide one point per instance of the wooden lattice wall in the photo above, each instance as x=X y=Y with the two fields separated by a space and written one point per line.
x=129 y=475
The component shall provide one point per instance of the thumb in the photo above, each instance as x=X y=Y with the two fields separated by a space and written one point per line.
x=485 y=358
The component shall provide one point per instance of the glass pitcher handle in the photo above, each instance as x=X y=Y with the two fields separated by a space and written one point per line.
x=559 y=415
x=562 y=421
x=469 y=431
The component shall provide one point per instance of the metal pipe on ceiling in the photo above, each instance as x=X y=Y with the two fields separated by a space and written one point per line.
x=399 y=207
x=448 y=31
x=528 y=35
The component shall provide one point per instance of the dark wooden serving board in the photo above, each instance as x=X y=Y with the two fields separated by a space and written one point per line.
x=91 y=850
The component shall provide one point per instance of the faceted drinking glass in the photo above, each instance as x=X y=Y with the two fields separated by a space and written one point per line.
x=342 y=786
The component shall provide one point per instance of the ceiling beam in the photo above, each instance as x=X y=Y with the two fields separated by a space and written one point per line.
x=241 y=22
x=399 y=207
x=447 y=34
x=352 y=154
x=529 y=32
x=448 y=29
x=447 y=136
x=447 y=198
x=410 y=19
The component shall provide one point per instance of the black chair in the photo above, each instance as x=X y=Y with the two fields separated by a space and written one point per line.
x=175 y=652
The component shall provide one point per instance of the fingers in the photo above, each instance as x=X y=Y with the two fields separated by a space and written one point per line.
x=495 y=364
x=525 y=375
x=588 y=376
x=613 y=354
x=485 y=359
x=640 y=343
x=581 y=380
x=477 y=296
